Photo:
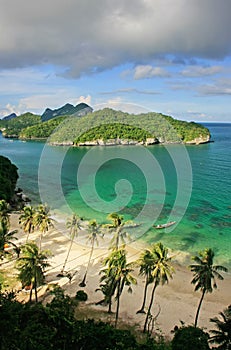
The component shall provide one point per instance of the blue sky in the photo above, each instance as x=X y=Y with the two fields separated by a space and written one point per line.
x=139 y=55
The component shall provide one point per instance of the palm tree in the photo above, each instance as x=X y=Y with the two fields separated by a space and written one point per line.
x=4 y=211
x=204 y=273
x=94 y=230
x=27 y=220
x=42 y=220
x=6 y=237
x=31 y=266
x=74 y=223
x=222 y=336
x=161 y=272
x=118 y=227
x=119 y=273
x=146 y=264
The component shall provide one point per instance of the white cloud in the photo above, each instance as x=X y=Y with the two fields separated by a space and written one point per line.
x=88 y=36
x=198 y=71
x=147 y=71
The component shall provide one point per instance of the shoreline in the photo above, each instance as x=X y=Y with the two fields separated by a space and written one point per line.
x=177 y=300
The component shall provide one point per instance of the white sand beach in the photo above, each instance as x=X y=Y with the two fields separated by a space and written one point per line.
x=176 y=301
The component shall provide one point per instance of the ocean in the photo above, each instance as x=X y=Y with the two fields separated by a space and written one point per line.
x=187 y=184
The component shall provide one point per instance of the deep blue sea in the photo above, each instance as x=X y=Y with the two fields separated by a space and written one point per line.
x=188 y=184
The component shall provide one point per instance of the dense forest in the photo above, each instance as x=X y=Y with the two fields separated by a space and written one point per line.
x=105 y=124
x=164 y=128
x=8 y=178
x=13 y=127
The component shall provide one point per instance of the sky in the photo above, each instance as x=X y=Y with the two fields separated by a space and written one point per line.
x=172 y=57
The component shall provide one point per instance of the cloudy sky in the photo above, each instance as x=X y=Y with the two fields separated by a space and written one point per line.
x=169 y=56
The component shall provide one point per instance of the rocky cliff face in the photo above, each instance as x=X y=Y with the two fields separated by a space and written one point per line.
x=199 y=140
x=68 y=109
x=115 y=142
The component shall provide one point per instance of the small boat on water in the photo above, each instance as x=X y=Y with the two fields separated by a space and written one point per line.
x=165 y=225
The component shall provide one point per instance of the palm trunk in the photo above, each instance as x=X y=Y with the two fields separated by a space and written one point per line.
x=118 y=303
x=31 y=290
x=83 y=283
x=35 y=289
x=141 y=311
x=150 y=306
x=68 y=253
x=199 y=306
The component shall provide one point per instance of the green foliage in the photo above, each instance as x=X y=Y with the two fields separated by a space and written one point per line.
x=81 y=295
x=13 y=127
x=190 y=338
x=221 y=336
x=8 y=178
x=41 y=130
x=114 y=131
x=164 y=128
x=34 y=326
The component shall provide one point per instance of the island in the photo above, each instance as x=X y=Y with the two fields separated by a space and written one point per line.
x=104 y=127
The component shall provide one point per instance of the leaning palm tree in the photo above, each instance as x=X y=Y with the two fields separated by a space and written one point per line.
x=4 y=212
x=27 y=220
x=118 y=227
x=94 y=230
x=6 y=238
x=222 y=335
x=42 y=220
x=74 y=224
x=31 y=266
x=161 y=272
x=204 y=273
x=119 y=273
x=146 y=264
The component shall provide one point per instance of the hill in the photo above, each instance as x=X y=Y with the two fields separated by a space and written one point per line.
x=13 y=127
x=90 y=129
x=8 y=178
x=68 y=109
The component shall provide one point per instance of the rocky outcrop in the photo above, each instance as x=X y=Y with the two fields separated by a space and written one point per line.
x=79 y=110
x=199 y=140
x=117 y=141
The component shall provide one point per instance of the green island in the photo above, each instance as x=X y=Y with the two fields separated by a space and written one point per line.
x=49 y=299
x=106 y=125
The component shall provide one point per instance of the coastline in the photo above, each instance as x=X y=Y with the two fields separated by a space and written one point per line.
x=177 y=300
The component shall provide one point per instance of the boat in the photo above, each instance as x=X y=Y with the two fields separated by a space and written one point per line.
x=165 y=225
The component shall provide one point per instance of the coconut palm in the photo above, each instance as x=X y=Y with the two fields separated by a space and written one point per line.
x=146 y=265
x=42 y=220
x=4 y=211
x=31 y=266
x=161 y=272
x=6 y=238
x=94 y=231
x=27 y=220
x=119 y=273
x=74 y=224
x=222 y=336
x=204 y=273
x=118 y=226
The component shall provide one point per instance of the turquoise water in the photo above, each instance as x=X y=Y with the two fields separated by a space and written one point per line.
x=147 y=186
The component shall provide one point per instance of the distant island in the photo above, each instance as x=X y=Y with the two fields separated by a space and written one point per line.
x=80 y=126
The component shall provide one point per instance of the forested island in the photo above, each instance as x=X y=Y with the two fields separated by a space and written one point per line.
x=105 y=127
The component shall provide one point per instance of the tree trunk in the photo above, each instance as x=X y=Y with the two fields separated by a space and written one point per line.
x=68 y=253
x=118 y=303
x=31 y=289
x=83 y=283
x=141 y=311
x=199 y=306
x=35 y=288
x=150 y=306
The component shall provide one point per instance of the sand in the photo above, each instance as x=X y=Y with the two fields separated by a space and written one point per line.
x=175 y=302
